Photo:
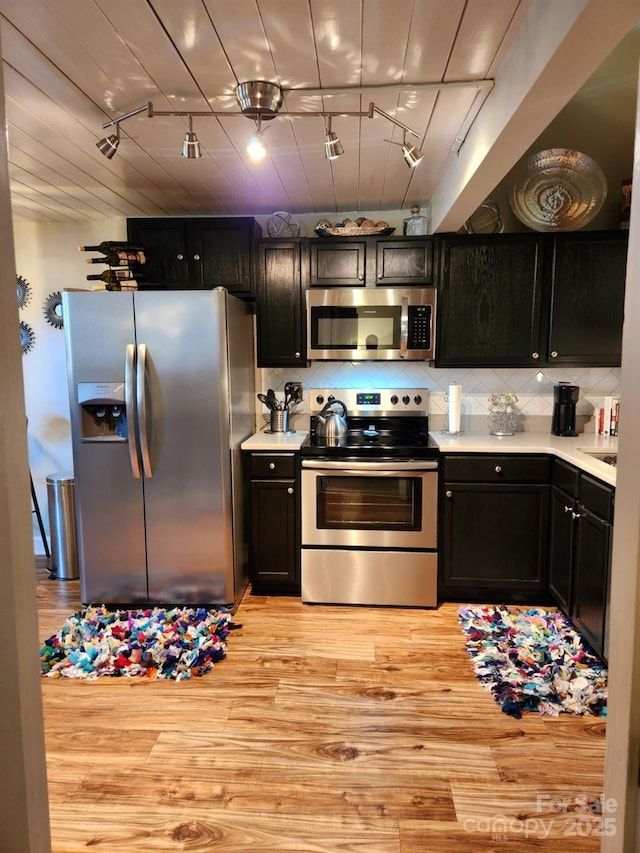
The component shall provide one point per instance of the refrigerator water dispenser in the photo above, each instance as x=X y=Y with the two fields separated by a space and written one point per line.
x=103 y=413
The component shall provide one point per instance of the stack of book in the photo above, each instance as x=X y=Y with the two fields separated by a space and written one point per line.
x=607 y=417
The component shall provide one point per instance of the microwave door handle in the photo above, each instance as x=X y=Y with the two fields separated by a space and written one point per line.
x=404 y=326
x=129 y=398
x=141 y=401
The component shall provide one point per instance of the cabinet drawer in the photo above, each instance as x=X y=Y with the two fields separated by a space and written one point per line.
x=272 y=465
x=565 y=477
x=493 y=469
x=597 y=497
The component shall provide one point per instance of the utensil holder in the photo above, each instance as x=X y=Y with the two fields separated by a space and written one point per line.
x=280 y=420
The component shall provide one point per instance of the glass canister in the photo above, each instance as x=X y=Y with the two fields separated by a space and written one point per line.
x=416 y=224
x=503 y=414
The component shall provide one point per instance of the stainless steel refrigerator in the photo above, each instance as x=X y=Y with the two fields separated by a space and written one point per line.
x=161 y=387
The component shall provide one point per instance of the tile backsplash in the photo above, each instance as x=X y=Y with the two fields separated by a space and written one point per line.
x=534 y=388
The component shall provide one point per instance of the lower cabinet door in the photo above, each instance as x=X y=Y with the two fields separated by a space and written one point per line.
x=592 y=559
x=494 y=543
x=561 y=549
x=274 y=553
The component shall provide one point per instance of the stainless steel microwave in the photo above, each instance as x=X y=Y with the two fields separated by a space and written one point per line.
x=371 y=324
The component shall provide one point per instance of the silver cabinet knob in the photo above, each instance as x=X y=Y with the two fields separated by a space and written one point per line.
x=498 y=469
x=272 y=466
x=554 y=354
x=535 y=355
x=361 y=277
x=297 y=354
x=196 y=257
x=180 y=257
x=380 y=276
x=290 y=490
x=448 y=493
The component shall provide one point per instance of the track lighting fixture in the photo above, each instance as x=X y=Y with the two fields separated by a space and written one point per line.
x=191 y=146
x=332 y=145
x=261 y=101
x=109 y=145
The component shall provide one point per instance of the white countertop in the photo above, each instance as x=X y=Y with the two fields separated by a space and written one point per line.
x=275 y=440
x=572 y=450
x=569 y=449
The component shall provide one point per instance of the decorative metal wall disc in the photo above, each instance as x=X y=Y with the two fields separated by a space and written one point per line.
x=27 y=337
x=24 y=291
x=52 y=310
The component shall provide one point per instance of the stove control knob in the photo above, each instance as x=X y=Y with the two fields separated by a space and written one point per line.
x=406 y=399
x=417 y=399
x=320 y=399
x=394 y=399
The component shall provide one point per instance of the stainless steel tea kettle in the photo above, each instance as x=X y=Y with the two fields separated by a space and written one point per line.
x=332 y=425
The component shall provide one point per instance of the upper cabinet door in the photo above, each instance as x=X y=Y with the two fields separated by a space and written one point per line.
x=221 y=252
x=338 y=263
x=587 y=298
x=490 y=301
x=166 y=264
x=408 y=262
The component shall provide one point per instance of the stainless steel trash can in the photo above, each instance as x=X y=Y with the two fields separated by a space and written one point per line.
x=62 y=526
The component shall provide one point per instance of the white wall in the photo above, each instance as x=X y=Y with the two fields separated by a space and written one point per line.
x=47 y=257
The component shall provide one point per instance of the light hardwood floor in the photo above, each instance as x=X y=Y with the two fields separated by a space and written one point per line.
x=326 y=730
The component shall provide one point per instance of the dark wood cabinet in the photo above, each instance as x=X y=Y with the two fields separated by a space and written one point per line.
x=587 y=298
x=371 y=261
x=494 y=521
x=593 y=561
x=531 y=300
x=337 y=263
x=580 y=551
x=280 y=308
x=490 y=298
x=197 y=252
x=274 y=552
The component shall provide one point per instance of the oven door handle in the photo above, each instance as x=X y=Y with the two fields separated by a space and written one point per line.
x=351 y=467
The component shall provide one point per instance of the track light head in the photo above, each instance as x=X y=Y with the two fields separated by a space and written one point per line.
x=255 y=148
x=332 y=146
x=109 y=145
x=191 y=146
x=411 y=154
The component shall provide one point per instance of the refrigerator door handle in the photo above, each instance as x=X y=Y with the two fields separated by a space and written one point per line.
x=141 y=402
x=129 y=398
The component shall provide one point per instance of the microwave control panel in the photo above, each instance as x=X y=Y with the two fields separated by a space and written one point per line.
x=419 y=332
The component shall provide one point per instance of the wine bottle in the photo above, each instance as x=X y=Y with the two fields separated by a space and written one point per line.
x=113 y=276
x=119 y=258
x=111 y=246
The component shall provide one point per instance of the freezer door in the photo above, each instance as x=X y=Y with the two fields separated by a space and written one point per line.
x=187 y=487
x=108 y=498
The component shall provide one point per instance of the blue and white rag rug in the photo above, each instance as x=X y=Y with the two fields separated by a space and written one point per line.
x=534 y=660
x=171 y=643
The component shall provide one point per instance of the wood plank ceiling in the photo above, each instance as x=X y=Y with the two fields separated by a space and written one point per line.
x=72 y=65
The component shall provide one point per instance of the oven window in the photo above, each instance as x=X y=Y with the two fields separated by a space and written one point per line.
x=362 y=327
x=368 y=503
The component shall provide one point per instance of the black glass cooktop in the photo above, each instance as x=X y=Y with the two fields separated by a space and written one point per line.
x=369 y=440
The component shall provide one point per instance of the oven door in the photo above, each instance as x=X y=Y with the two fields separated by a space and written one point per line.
x=382 y=504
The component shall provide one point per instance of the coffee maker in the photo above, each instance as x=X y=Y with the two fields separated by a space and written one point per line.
x=565 y=397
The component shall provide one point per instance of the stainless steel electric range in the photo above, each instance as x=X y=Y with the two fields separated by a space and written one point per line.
x=369 y=502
